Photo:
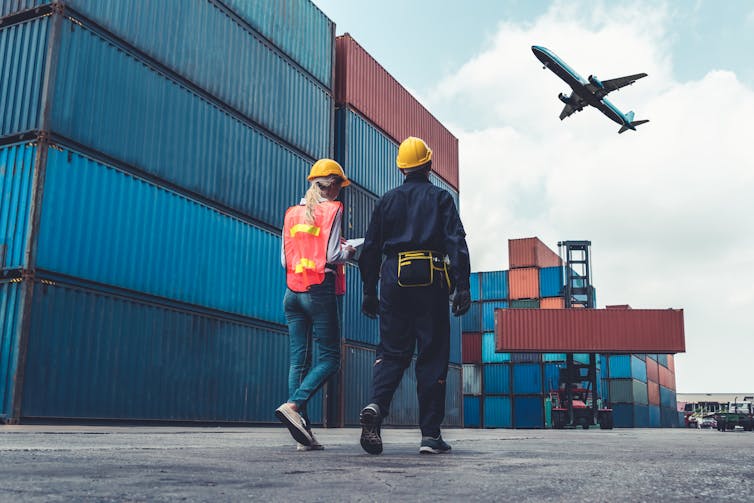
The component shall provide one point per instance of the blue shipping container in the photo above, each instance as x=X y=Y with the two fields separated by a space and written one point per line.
x=497 y=412
x=11 y=307
x=103 y=225
x=552 y=376
x=494 y=285
x=366 y=154
x=474 y=289
x=553 y=357
x=95 y=355
x=528 y=412
x=550 y=282
x=497 y=379
x=667 y=398
x=456 y=331
x=627 y=367
x=356 y=326
x=16 y=174
x=358 y=206
x=527 y=378
x=654 y=416
x=472 y=320
x=488 y=350
x=472 y=417
x=297 y=27
x=113 y=103
x=488 y=314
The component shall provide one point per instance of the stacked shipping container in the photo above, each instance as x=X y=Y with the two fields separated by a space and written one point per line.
x=148 y=153
x=144 y=181
x=374 y=113
x=512 y=389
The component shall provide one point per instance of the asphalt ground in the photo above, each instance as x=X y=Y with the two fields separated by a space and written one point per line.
x=76 y=463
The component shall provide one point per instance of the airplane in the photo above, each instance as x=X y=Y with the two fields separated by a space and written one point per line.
x=588 y=92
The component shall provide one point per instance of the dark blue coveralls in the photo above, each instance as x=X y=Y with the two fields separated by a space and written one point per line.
x=414 y=216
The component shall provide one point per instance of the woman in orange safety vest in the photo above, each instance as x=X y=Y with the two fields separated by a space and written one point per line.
x=313 y=255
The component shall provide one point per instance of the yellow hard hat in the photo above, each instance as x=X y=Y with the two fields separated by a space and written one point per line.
x=413 y=152
x=327 y=167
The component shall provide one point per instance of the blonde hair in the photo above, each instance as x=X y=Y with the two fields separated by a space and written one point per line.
x=315 y=194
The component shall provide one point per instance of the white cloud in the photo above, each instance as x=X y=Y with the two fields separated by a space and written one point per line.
x=668 y=208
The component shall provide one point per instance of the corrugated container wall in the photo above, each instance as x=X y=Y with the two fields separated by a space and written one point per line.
x=258 y=80
x=471 y=347
x=472 y=416
x=472 y=379
x=297 y=27
x=362 y=83
x=159 y=126
x=589 y=330
x=16 y=174
x=197 y=367
x=109 y=227
x=497 y=412
x=531 y=252
x=494 y=285
x=550 y=281
x=524 y=283
x=11 y=306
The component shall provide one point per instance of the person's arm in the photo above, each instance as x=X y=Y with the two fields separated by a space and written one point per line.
x=455 y=243
x=336 y=252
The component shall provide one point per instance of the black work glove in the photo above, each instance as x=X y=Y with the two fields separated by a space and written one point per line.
x=461 y=302
x=370 y=305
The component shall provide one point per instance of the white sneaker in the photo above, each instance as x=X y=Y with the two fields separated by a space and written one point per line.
x=295 y=424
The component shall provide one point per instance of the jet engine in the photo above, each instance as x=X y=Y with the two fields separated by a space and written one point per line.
x=565 y=99
x=597 y=82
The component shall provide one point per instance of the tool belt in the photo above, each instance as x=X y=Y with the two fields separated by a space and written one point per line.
x=418 y=268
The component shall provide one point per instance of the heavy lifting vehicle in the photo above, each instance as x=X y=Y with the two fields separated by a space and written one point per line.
x=576 y=402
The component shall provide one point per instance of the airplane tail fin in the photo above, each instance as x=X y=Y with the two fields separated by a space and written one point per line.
x=632 y=125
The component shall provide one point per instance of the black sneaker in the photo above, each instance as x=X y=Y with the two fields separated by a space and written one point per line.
x=370 y=420
x=431 y=445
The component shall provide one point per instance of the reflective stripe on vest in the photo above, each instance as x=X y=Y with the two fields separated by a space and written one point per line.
x=305 y=244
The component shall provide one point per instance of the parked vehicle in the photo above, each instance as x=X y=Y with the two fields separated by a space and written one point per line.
x=737 y=414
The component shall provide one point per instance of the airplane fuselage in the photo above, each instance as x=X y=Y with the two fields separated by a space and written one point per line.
x=579 y=85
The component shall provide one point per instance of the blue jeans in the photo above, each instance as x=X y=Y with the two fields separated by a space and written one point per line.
x=312 y=317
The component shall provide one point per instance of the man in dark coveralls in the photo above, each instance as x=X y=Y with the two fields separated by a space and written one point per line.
x=417 y=229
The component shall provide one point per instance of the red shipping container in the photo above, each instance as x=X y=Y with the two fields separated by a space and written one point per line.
x=551 y=302
x=653 y=393
x=667 y=378
x=471 y=347
x=590 y=331
x=653 y=371
x=671 y=364
x=363 y=83
x=531 y=252
x=523 y=283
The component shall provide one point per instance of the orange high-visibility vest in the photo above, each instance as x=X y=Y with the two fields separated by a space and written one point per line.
x=305 y=246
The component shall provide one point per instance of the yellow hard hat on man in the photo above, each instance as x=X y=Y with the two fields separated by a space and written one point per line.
x=413 y=153
x=327 y=167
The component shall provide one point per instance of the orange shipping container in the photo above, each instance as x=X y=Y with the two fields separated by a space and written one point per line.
x=531 y=252
x=552 y=303
x=523 y=283
x=671 y=364
x=653 y=393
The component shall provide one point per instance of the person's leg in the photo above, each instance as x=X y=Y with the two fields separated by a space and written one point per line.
x=321 y=307
x=299 y=341
x=433 y=340
x=397 y=340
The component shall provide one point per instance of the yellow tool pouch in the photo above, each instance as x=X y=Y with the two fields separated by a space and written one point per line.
x=417 y=268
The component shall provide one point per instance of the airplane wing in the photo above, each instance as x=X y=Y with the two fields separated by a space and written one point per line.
x=614 y=84
x=575 y=106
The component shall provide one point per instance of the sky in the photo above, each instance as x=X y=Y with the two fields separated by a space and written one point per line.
x=669 y=209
